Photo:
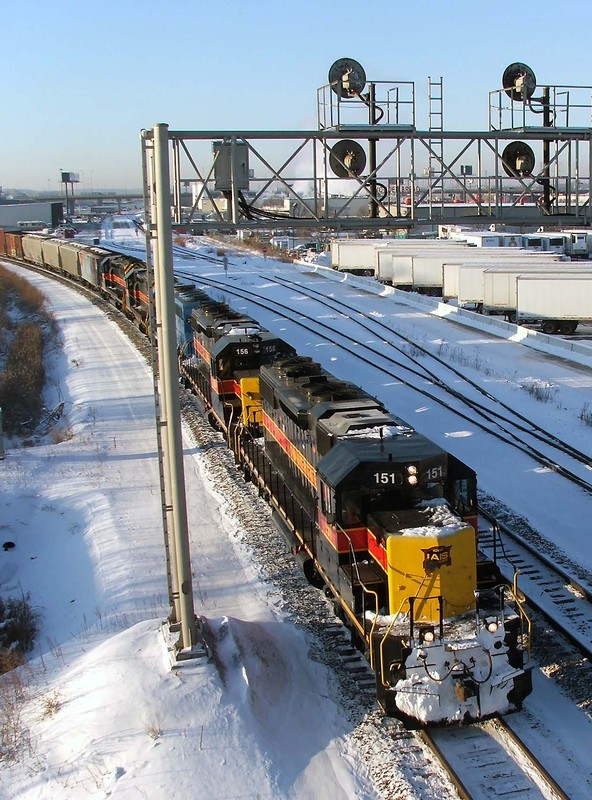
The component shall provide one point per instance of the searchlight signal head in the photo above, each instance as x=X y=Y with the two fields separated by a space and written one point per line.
x=519 y=82
x=347 y=77
x=518 y=160
x=347 y=159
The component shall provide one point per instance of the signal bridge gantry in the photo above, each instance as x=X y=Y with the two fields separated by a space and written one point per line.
x=370 y=168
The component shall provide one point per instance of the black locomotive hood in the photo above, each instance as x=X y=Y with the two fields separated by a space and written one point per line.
x=355 y=457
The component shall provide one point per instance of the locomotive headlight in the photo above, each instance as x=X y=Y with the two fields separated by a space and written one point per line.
x=426 y=635
x=491 y=625
x=412 y=475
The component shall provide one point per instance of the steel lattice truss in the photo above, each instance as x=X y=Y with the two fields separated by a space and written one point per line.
x=532 y=167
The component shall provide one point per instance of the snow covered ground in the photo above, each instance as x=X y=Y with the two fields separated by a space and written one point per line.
x=103 y=714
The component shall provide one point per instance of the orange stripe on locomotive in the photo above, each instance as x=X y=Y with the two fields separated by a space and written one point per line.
x=300 y=462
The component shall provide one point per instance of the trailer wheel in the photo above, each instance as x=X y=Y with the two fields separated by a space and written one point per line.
x=567 y=328
x=549 y=326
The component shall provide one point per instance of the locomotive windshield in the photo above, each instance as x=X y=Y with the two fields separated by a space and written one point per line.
x=358 y=503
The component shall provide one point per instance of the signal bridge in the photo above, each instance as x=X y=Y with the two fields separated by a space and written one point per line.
x=530 y=168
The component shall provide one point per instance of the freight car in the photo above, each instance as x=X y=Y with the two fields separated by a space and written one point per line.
x=120 y=278
x=380 y=517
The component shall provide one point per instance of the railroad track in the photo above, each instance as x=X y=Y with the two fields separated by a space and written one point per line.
x=488 y=760
x=552 y=589
x=512 y=429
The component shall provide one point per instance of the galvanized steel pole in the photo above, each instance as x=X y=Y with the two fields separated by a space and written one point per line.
x=169 y=380
x=164 y=458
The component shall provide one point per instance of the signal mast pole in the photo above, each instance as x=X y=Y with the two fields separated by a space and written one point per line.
x=169 y=382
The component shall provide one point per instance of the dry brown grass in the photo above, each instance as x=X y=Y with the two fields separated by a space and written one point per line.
x=24 y=323
x=19 y=625
x=265 y=248
x=15 y=740
x=30 y=298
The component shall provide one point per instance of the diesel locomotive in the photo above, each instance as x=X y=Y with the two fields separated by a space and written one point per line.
x=382 y=519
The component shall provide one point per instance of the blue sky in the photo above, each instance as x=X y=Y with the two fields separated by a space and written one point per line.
x=82 y=79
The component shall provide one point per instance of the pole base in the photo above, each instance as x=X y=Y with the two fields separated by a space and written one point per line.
x=175 y=653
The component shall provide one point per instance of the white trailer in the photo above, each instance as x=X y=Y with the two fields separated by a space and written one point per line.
x=500 y=285
x=554 y=242
x=396 y=268
x=356 y=255
x=383 y=266
x=360 y=256
x=534 y=241
x=475 y=238
x=511 y=240
x=471 y=284
x=557 y=303
x=428 y=273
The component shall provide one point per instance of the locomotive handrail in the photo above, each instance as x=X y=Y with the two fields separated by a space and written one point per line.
x=230 y=426
x=524 y=618
x=385 y=637
x=365 y=589
x=238 y=436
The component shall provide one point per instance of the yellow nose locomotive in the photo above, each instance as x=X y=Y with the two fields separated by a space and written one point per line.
x=386 y=521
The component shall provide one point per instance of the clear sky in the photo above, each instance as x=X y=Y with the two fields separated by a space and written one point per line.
x=82 y=79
